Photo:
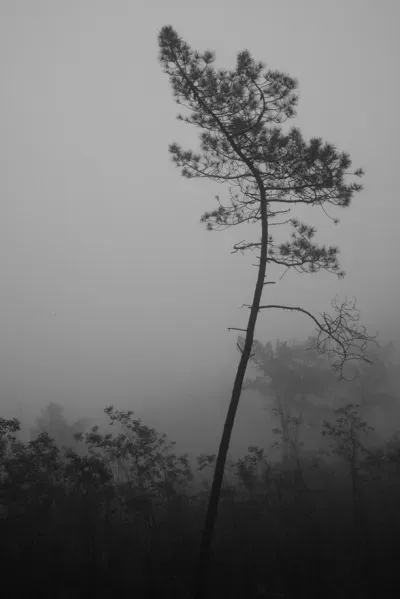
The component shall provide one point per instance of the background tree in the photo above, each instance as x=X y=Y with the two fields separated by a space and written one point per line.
x=288 y=377
x=239 y=112
x=347 y=432
x=138 y=457
x=375 y=392
x=53 y=422
x=376 y=389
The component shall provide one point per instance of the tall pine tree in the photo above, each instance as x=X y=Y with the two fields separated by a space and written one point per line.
x=269 y=172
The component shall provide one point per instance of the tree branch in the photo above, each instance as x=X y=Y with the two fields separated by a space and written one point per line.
x=338 y=337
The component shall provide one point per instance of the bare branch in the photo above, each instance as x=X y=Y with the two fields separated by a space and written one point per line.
x=338 y=336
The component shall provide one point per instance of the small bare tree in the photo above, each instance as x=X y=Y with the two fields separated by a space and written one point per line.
x=239 y=112
x=345 y=433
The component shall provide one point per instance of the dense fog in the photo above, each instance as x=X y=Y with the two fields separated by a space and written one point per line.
x=112 y=291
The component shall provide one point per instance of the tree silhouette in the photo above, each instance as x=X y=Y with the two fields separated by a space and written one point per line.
x=289 y=374
x=269 y=173
x=137 y=456
x=376 y=389
x=53 y=422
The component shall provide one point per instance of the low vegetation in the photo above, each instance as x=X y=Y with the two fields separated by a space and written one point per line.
x=120 y=512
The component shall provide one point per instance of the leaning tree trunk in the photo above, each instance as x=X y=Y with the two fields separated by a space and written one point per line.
x=212 y=509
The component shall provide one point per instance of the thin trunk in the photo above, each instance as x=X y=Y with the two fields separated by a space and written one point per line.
x=360 y=534
x=212 y=509
x=356 y=492
x=284 y=416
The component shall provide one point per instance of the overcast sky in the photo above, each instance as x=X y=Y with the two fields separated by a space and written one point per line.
x=111 y=290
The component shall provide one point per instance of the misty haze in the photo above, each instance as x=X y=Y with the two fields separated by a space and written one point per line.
x=199 y=358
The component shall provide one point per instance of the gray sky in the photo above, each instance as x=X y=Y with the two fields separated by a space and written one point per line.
x=111 y=290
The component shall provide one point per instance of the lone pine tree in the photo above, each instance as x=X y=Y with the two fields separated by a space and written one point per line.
x=269 y=172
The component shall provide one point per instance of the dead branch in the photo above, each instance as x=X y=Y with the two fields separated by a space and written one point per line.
x=339 y=337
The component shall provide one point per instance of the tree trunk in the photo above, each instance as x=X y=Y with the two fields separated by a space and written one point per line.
x=286 y=438
x=212 y=509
